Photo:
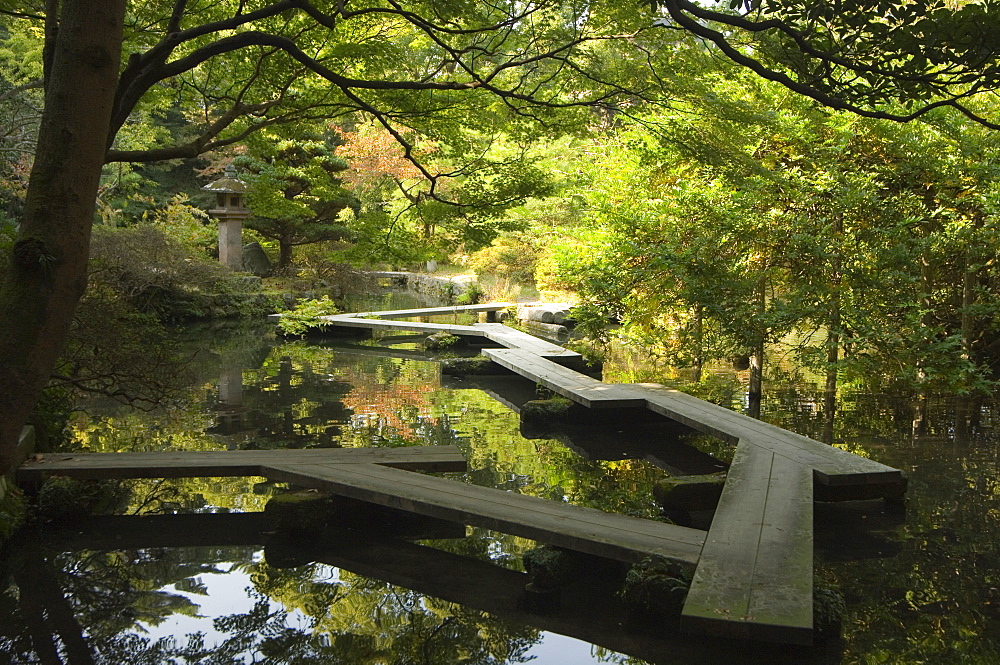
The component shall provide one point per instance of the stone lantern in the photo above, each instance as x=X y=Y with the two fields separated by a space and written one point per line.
x=230 y=211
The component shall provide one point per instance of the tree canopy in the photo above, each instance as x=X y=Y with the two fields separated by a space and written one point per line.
x=877 y=58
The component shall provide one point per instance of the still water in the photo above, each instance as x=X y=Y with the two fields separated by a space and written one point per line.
x=202 y=577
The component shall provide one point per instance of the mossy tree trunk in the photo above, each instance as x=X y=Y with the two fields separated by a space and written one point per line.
x=48 y=270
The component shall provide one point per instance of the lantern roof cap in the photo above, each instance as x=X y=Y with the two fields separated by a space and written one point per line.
x=227 y=184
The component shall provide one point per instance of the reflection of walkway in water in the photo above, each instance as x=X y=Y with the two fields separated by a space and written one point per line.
x=378 y=544
x=754 y=567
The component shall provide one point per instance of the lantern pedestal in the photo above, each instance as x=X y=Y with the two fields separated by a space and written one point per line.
x=230 y=237
x=230 y=212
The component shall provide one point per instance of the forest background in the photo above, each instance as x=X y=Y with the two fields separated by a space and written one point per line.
x=715 y=181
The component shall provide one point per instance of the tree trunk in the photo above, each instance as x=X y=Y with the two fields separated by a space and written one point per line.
x=699 y=341
x=833 y=336
x=830 y=392
x=48 y=271
x=284 y=252
x=756 y=388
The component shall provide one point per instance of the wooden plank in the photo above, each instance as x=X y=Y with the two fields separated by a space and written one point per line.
x=832 y=465
x=583 y=529
x=572 y=385
x=340 y=321
x=219 y=463
x=754 y=579
x=433 y=311
x=518 y=339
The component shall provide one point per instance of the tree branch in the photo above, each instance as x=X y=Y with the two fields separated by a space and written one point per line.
x=831 y=101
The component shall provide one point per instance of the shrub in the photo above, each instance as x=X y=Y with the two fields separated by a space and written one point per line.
x=306 y=316
x=153 y=271
x=513 y=256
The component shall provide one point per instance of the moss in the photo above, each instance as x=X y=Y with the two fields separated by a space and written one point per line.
x=478 y=366
x=655 y=589
x=689 y=492
x=440 y=341
x=555 y=409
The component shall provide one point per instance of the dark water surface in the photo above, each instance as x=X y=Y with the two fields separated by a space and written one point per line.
x=202 y=578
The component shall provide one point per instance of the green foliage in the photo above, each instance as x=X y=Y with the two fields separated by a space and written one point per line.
x=65 y=500
x=13 y=510
x=655 y=589
x=186 y=224
x=720 y=227
x=513 y=256
x=305 y=316
x=295 y=191
x=153 y=271
x=471 y=295
x=594 y=354
x=882 y=59
x=829 y=610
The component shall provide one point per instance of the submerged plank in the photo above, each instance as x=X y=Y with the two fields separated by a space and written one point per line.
x=754 y=579
x=582 y=529
x=218 y=463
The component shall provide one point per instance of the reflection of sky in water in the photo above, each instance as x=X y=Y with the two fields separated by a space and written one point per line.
x=228 y=594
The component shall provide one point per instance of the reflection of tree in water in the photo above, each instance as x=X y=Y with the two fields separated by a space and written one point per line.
x=103 y=595
x=294 y=400
x=375 y=622
x=349 y=620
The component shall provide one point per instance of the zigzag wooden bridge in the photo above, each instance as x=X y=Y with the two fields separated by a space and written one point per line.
x=754 y=574
x=754 y=566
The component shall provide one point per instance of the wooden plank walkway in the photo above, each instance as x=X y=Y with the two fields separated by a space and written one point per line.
x=494 y=332
x=575 y=386
x=345 y=321
x=221 y=463
x=832 y=466
x=582 y=529
x=755 y=576
x=431 y=311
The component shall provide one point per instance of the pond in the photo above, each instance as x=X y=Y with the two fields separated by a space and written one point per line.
x=203 y=577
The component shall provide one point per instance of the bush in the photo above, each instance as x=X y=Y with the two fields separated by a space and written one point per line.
x=188 y=225
x=13 y=510
x=154 y=272
x=305 y=316
x=513 y=257
x=65 y=500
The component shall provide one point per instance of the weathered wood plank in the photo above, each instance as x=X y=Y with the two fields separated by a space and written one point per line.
x=219 y=463
x=574 y=527
x=833 y=466
x=572 y=385
x=518 y=339
x=754 y=579
x=341 y=321
x=433 y=311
